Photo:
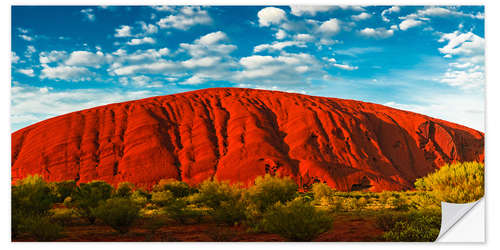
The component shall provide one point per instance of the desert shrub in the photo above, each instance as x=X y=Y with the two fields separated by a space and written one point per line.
x=139 y=197
x=422 y=225
x=362 y=203
x=213 y=193
x=424 y=200
x=118 y=213
x=269 y=189
x=87 y=196
x=124 y=190
x=162 y=198
x=179 y=210
x=32 y=196
x=321 y=190
x=177 y=188
x=398 y=203
x=225 y=201
x=297 y=220
x=350 y=204
x=41 y=228
x=229 y=212
x=460 y=182
x=61 y=190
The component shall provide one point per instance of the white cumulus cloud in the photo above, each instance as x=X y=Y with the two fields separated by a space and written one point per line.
x=271 y=15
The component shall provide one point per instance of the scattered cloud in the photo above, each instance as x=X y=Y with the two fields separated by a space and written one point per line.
x=208 y=44
x=88 y=14
x=271 y=15
x=201 y=62
x=86 y=58
x=377 y=33
x=311 y=10
x=139 y=41
x=345 y=66
x=14 y=58
x=53 y=56
x=280 y=35
x=28 y=72
x=330 y=27
x=64 y=72
x=276 y=46
x=393 y=9
x=123 y=31
x=26 y=37
x=361 y=16
x=462 y=44
x=276 y=69
x=148 y=28
x=409 y=23
x=467 y=69
x=185 y=18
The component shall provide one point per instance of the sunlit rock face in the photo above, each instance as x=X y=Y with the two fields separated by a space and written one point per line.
x=238 y=134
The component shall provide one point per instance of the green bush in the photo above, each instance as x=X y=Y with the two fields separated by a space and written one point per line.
x=321 y=190
x=87 y=197
x=41 y=228
x=225 y=201
x=177 y=188
x=118 y=213
x=179 y=211
x=410 y=226
x=460 y=182
x=297 y=220
x=139 y=197
x=424 y=200
x=213 y=193
x=269 y=189
x=32 y=196
x=162 y=198
x=229 y=212
x=61 y=190
x=124 y=190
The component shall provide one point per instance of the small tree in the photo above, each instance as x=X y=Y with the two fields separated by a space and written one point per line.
x=321 y=190
x=118 y=213
x=177 y=188
x=32 y=195
x=213 y=193
x=269 y=189
x=124 y=190
x=87 y=196
x=224 y=200
x=32 y=198
x=296 y=220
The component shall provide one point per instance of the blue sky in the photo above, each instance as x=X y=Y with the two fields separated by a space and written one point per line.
x=426 y=59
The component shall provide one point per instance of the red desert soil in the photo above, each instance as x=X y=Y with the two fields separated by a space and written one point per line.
x=238 y=134
x=345 y=228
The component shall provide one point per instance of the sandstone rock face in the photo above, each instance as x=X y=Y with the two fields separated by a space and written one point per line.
x=238 y=134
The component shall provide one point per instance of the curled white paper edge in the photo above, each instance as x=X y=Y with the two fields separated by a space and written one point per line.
x=451 y=213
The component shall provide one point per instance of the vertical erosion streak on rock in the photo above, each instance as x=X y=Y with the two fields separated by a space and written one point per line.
x=221 y=117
